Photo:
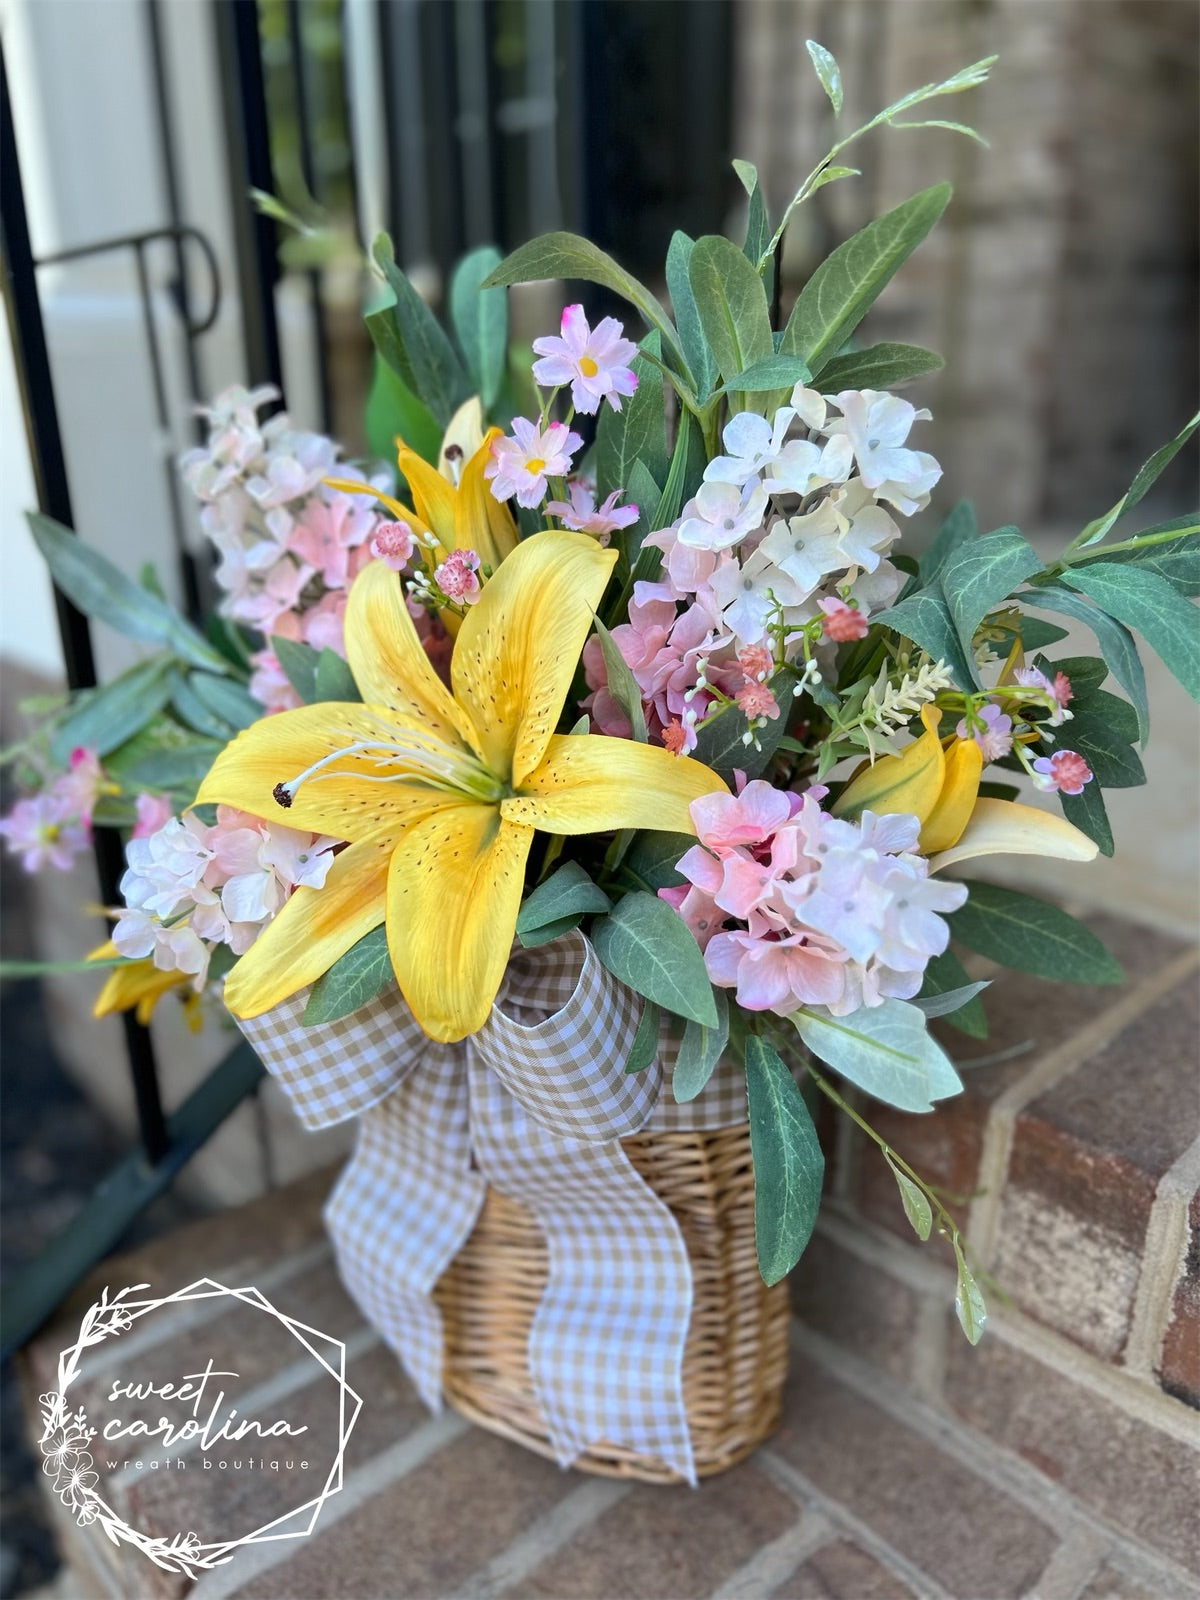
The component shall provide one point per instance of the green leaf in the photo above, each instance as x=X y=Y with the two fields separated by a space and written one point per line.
x=826 y=69
x=683 y=303
x=410 y=339
x=635 y=433
x=831 y=175
x=789 y=1168
x=914 y=1200
x=642 y=492
x=566 y=255
x=976 y=577
x=1086 y=673
x=645 y=1041
x=102 y=591
x=1147 y=603
x=844 y=287
x=299 y=663
x=720 y=741
x=622 y=684
x=333 y=680
x=886 y=1050
x=699 y=1051
x=945 y=1005
x=1087 y=812
x=549 y=931
x=758 y=235
x=1110 y=755
x=648 y=946
x=999 y=791
x=164 y=758
x=944 y=975
x=950 y=127
x=103 y=719
x=394 y=412
x=879 y=366
x=1036 y=633
x=189 y=708
x=1115 y=641
x=1147 y=475
x=969 y=1305
x=732 y=305
x=959 y=528
x=653 y=856
x=225 y=699
x=776 y=372
x=686 y=472
x=567 y=892
x=352 y=981
x=1031 y=935
x=480 y=319
x=925 y=619
x=1175 y=560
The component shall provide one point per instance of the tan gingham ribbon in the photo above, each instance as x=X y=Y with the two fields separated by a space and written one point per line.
x=534 y=1104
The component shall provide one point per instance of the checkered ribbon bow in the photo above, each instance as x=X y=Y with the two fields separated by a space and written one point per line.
x=536 y=1104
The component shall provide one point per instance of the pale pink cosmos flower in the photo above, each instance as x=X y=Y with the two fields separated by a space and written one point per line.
x=594 y=361
x=43 y=832
x=393 y=543
x=153 y=810
x=1064 y=772
x=458 y=577
x=995 y=737
x=842 y=622
x=521 y=463
x=585 y=516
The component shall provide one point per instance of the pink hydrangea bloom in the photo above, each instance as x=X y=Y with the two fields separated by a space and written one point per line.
x=522 y=462
x=1064 y=772
x=594 y=361
x=44 y=831
x=585 y=516
x=995 y=737
x=842 y=622
x=458 y=577
x=328 y=529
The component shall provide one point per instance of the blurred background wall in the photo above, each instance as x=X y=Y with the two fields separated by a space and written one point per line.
x=1060 y=286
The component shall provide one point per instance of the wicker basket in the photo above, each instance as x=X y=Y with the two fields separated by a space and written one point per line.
x=736 y=1355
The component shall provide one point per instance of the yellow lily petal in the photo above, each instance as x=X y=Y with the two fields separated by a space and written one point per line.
x=454 y=890
x=432 y=496
x=1001 y=827
x=590 y=784
x=960 y=790
x=315 y=928
x=910 y=782
x=398 y=509
x=519 y=646
x=389 y=662
x=346 y=799
x=481 y=522
x=464 y=432
x=134 y=984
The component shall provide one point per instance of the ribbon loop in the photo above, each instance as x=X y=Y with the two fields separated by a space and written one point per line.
x=558 y=1039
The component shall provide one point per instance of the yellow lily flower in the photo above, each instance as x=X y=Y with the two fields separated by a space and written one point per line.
x=439 y=793
x=939 y=784
x=138 y=986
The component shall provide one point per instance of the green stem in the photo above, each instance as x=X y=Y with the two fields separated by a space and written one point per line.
x=1099 y=551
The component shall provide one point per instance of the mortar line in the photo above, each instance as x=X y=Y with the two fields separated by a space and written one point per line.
x=992 y=1462
x=1074 y=1564
x=1164 y=1253
x=984 y=1216
x=546 y=1534
x=775 y=1563
x=387 y=1468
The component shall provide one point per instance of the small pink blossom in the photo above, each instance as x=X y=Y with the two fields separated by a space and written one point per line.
x=842 y=622
x=756 y=661
x=755 y=700
x=457 y=577
x=393 y=543
x=678 y=739
x=1065 y=772
x=995 y=737
x=43 y=831
x=594 y=361
x=521 y=463
x=1058 y=691
x=153 y=811
x=583 y=514
x=81 y=785
x=699 y=910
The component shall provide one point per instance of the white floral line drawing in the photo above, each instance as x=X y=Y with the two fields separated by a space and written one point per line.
x=66 y=1435
x=68 y=1460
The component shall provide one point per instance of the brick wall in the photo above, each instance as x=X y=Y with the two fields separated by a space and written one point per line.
x=1060 y=285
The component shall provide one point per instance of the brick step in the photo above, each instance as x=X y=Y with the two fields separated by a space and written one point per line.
x=1056 y=1460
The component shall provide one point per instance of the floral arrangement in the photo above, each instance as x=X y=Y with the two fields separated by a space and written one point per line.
x=627 y=640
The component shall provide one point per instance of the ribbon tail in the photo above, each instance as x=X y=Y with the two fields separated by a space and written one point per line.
x=403 y=1208
x=606 y=1345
